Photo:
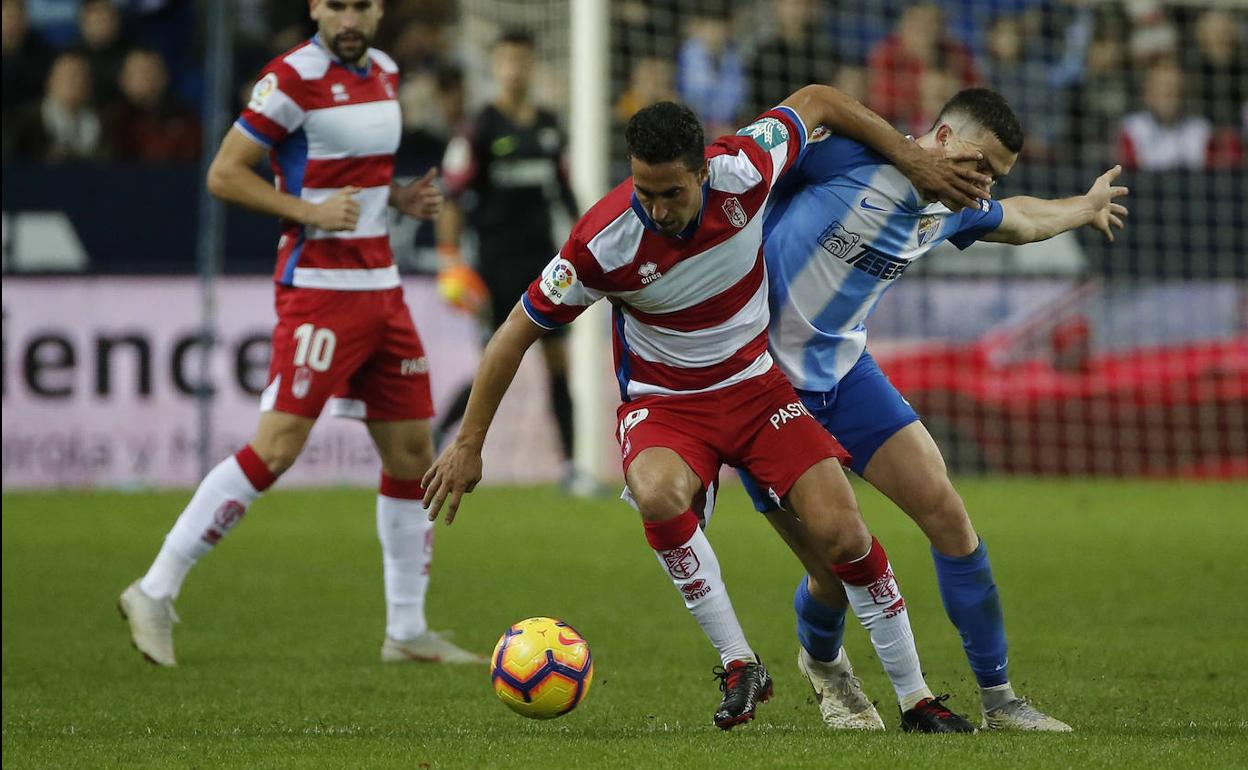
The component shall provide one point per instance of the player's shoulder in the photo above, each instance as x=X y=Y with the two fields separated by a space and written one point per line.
x=306 y=61
x=611 y=231
x=383 y=61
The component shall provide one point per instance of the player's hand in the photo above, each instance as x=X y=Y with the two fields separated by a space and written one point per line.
x=947 y=178
x=462 y=288
x=455 y=473
x=1107 y=214
x=339 y=211
x=420 y=198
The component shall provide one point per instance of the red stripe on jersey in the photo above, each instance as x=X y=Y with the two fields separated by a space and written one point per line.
x=369 y=171
x=357 y=90
x=269 y=129
x=337 y=253
x=697 y=378
x=711 y=311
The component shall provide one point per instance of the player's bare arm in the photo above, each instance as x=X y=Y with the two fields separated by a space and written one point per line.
x=1027 y=220
x=420 y=198
x=232 y=177
x=458 y=469
x=935 y=177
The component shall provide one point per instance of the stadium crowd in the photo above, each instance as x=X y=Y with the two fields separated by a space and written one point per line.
x=1153 y=85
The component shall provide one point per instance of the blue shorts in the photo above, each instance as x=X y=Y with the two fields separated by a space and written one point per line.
x=863 y=411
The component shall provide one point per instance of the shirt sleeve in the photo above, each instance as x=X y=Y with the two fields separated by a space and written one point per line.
x=779 y=138
x=974 y=224
x=459 y=162
x=273 y=112
x=563 y=291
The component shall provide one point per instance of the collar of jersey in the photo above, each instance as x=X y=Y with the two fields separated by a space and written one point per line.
x=354 y=70
x=690 y=228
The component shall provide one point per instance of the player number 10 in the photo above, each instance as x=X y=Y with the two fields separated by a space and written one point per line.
x=314 y=347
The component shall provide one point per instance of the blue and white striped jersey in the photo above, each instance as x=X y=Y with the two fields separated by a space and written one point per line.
x=841 y=228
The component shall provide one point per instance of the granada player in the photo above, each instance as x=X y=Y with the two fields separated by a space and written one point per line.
x=326 y=115
x=677 y=250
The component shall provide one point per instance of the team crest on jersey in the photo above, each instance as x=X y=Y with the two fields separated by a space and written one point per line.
x=837 y=240
x=302 y=382
x=557 y=279
x=767 y=133
x=927 y=228
x=261 y=92
x=736 y=212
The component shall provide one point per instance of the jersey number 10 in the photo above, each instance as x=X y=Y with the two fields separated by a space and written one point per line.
x=314 y=347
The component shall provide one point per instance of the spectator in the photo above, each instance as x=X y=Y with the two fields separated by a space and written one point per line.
x=149 y=125
x=1163 y=137
x=1101 y=93
x=800 y=53
x=651 y=81
x=710 y=76
x=1220 y=69
x=26 y=58
x=100 y=39
x=64 y=126
x=1021 y=76
x=896 y=66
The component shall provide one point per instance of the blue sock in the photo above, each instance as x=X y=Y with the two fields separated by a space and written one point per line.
x=820 y=628
x=970 y=598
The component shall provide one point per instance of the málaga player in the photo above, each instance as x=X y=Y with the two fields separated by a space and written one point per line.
x=676 y=250
x=845 y=227
x=326 y=115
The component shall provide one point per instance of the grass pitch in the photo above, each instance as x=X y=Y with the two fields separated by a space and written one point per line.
x=1124 y=604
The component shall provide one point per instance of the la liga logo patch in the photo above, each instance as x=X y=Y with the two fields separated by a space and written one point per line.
x=558 y=279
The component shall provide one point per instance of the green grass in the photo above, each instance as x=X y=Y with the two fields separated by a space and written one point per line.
x=1124 y=603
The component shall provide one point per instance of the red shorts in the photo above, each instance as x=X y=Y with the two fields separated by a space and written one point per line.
x=358 y=346
x=759 y=425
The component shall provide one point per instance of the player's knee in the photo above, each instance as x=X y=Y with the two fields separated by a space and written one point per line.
x=846 y=542
x=943 y=518
x=409 y=461
x=660 y=502
x=279 y=453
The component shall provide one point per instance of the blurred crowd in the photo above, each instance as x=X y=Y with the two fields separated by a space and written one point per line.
x=1154 y=85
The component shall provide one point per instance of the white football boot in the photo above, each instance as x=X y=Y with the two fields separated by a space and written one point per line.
x=1019 y=714
x=842 y=702
x=429 y=647
x=151 y=624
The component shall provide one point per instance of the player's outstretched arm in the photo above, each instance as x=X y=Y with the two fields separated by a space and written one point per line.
x=232 y=177
x=458 y=469
x=1027 y=220
x=934 y=176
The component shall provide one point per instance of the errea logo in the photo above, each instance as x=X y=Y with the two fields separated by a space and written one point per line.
x=340 y=92
x=649 y=273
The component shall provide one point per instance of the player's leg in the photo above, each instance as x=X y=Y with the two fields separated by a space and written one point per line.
x=820 y=605
x=671 y=471
x=836 y=539
x=216 y=507
x=406 y=535
x=909 y=469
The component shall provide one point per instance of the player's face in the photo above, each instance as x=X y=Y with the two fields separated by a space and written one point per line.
x=997 y=160
x=670 y=192
x=347 y=26
x=512 y=65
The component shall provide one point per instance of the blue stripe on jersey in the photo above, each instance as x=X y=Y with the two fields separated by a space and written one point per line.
x=251 y=131
x=292 y=159
x=537 y=316
x=622 y=374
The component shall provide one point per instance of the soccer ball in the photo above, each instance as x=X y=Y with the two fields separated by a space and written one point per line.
x=541 y=668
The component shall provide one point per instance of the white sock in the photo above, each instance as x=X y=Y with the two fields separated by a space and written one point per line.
x=218 y=504
x=694 y=570
x=877 y=601
x=406 y=536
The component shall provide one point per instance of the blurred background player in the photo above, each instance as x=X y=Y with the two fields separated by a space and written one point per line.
x=676 y=249
x=505 y=172
x=325 y=113
x=843 y=229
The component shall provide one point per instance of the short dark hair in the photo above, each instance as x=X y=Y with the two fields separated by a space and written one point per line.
x=990 y=110
x=664 y=132
x=516 y=36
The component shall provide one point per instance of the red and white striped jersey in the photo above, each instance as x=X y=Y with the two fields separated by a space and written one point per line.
x=328 y=125
x=690 y=312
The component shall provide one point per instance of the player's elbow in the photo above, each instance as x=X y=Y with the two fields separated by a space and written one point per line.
x=219 y=180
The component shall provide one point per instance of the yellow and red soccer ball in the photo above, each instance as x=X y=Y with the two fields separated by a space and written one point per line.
x=541 y=668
